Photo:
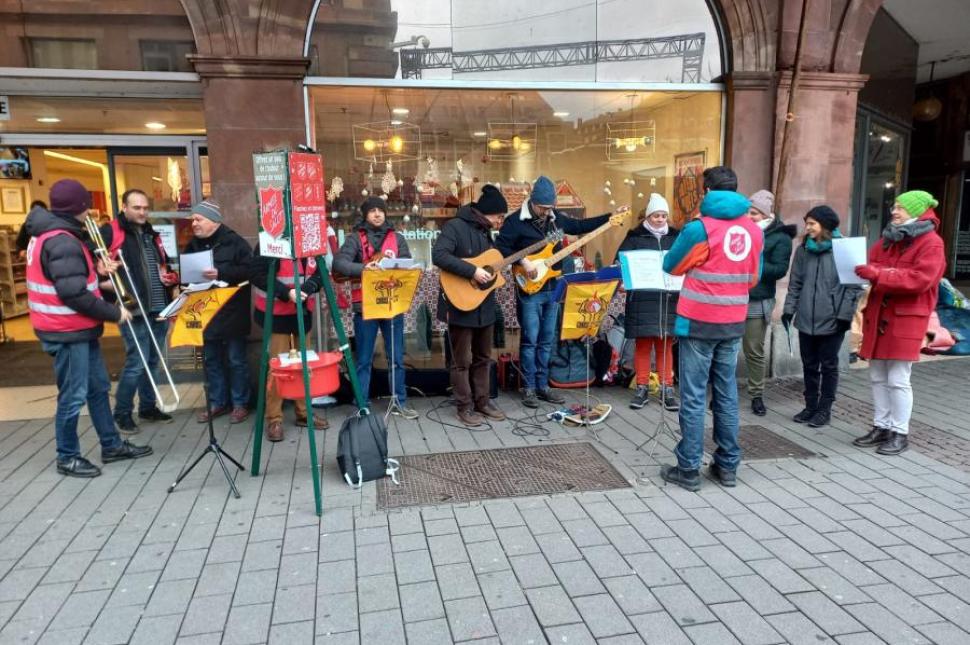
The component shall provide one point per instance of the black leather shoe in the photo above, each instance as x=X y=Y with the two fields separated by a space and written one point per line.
x=687 y=479
x=874 y=437
x=126 y=450
x=804 y=415
x=529 y=399
x=549 y=396
x=819 y=419
x=727 y=478
x=126 y=425
x=758 y=406
x=155 y=415
x=77 y=467
x=896 y=444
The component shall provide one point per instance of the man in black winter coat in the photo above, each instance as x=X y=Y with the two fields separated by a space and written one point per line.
x=141 y=247
x=470 y=332
x=224 y=339
x=539 y=312
x=68 y=313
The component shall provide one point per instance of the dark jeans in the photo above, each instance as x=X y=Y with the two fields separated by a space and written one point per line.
x=820 y=365
x=538 y=316
x=134 y=376
x=471 y=355
x=365 y=338
x=81 y=377
x=703 y=360
x=234 y=389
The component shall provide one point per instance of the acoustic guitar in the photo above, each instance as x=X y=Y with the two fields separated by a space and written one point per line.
x=468 y=294
x=544 y=260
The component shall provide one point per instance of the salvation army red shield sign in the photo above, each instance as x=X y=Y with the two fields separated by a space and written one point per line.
x=271 y=214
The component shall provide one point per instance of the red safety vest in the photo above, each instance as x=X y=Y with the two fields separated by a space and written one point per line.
x=388 y=250
x=717 y=290
x=285 y=275
x=118 y=238
x=47 y=311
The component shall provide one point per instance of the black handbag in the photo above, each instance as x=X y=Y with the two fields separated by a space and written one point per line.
x=362 y=450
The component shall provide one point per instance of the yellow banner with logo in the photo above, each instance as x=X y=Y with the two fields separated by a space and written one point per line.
x=585 y=307
x=196 y=313
x=386 y=293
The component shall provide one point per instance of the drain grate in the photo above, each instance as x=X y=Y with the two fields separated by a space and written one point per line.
x=455 y=477
x=758 y=442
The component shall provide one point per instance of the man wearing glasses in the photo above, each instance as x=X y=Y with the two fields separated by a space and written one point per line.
x=539 y=313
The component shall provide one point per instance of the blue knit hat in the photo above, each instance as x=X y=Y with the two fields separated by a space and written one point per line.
x=543 y=192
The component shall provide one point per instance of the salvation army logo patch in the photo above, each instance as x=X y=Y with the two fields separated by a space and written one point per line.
x=271 y=213
x=737 y=243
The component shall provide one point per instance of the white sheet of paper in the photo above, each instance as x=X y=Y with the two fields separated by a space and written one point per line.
x=643 y=270
x=849 y=252
x=398 y=263
x=191 y=266
x=286 y=361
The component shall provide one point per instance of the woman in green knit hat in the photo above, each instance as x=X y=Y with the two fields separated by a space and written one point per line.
x=905 y=268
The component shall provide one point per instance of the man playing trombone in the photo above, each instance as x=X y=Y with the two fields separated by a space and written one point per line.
x=148 y=278
x=68 y=313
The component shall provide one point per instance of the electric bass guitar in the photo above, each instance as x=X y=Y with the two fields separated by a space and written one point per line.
x=544 y=260
x=468 y=294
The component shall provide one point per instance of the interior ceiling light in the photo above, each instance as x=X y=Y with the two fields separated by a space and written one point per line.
x=48 y=119
x=155 y=125
x=479 y=133
x=396 y=122
x=560 y=114
x=401 y=111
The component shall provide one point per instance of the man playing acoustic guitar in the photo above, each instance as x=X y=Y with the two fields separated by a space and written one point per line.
x=468 y=235
x=539 y=312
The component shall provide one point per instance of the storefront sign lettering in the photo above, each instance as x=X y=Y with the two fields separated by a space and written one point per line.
x=421 y=234
x=4 y=108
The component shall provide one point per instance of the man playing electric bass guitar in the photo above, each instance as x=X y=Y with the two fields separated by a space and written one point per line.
x=470 y=328
x=538 y=313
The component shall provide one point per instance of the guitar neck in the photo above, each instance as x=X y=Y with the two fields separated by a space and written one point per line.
x=586 y=239
x=518 y=255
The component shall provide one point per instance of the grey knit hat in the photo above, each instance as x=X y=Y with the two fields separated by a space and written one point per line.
x=208 y=209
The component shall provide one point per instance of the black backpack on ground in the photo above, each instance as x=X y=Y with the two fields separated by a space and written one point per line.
x=362 y=450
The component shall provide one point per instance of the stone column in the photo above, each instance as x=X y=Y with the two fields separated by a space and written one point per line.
x=750 y=128
x=821 y=142
x=251 y=104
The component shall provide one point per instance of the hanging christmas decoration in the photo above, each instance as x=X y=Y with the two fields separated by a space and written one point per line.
x=336 y=188
x=388 y=180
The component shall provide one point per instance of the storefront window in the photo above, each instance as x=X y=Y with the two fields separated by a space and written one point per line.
x=879 y=158
x=64 y=53
x=429 y=150
x=665 y=41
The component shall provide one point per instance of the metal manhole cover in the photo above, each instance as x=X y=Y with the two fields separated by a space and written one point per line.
x=758 y=442
x=455 y=477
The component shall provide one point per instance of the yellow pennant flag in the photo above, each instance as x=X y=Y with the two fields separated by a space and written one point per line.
x=585 y=307
x=385 y=293
x=196 y=313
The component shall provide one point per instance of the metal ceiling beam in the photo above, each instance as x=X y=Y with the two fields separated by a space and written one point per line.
x=688 y=47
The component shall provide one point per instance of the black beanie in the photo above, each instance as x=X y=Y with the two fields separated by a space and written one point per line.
x=720 y=178
x=825 y=216
x=370 y=204
x=491 y=202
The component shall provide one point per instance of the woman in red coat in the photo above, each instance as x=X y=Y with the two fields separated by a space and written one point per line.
x=904 y=269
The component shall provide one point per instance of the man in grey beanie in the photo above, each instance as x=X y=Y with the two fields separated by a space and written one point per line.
x=224 y=339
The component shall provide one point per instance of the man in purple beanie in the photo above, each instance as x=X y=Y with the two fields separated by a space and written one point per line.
x=68 y=314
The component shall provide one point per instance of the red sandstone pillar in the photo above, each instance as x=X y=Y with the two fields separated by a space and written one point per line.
x=251 y=104
x=749 y=139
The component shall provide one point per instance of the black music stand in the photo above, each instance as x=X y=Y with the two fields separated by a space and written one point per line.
x=213 y=448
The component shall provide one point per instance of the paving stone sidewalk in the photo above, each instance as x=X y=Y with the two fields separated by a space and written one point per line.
x=847 y=547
